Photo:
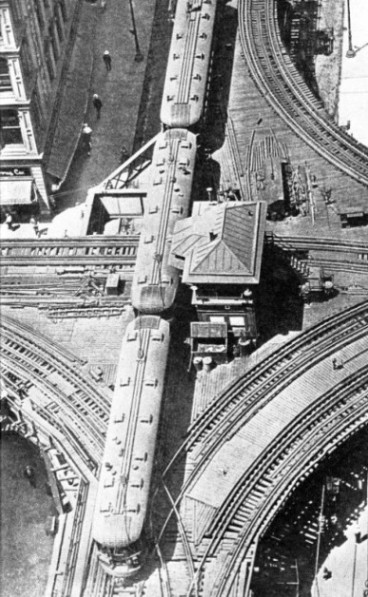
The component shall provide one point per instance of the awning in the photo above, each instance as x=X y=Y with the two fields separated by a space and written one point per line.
x=16 y=191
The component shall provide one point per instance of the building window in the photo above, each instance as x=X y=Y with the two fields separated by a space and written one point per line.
x=10 y=132
x=237 y=321
x=217 y=319
x=5 y=82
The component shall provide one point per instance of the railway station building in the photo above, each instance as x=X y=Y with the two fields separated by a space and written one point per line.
x=34 y=40
x=219 y=250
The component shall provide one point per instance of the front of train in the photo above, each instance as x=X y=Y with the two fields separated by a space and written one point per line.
x=124 y=561
x=119 y=539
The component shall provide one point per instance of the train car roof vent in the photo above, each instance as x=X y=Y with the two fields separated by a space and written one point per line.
x=158 y=337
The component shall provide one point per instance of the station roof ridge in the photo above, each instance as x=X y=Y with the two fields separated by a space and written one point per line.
x=217 y=257
x=223 y=240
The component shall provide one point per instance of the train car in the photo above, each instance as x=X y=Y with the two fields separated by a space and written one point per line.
x=168 y=199
x=188 y=64
x=124 y=483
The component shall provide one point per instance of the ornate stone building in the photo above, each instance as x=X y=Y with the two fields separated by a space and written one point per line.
x=36 y=37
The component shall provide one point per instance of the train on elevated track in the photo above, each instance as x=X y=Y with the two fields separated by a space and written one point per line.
x=124 y=484
x=168 y=200
x=126 y=470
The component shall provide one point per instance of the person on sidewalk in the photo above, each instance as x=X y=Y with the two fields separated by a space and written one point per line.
x=97 y=104
x=9 y=221
x=86 y=137
x=107 y=59
x=35 y=226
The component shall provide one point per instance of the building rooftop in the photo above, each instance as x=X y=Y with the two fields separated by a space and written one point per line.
x=222 y=244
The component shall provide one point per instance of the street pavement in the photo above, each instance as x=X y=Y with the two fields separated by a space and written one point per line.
x=120 y=90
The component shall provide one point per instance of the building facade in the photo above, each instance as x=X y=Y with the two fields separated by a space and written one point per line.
x=35 y=38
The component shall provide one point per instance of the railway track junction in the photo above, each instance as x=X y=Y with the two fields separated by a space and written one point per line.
x=236 y=440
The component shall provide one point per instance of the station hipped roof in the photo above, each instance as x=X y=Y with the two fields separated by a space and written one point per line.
x=223 y=244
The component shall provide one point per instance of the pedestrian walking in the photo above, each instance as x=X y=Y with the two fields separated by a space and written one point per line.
x=34 y=225
x=29 y=473
x=107 y=59
x=97 y=103
x=9 y=221
x=86 y=137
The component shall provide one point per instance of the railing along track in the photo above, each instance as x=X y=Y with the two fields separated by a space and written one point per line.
x=89 y=250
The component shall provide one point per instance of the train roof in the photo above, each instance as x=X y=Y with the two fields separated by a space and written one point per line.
x=131 y=436
x=188 y=63
x=168 y=200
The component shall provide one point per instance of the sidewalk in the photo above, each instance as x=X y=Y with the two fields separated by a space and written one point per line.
x=120 y=90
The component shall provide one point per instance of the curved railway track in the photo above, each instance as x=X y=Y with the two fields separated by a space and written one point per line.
x=72 y=397
x=242 y=398
x=88 y=250
x=284 y=88
x=259 y=494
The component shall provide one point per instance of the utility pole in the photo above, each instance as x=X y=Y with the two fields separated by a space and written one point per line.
x=138 y=54
x=351 y=52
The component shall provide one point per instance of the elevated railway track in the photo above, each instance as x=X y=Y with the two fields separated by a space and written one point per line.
x=332 y=254
x=241 y=399
x=227 y=414
x=82 y=411
x=284 y=88
x=320 y=243
x=83 y=251
x=65 y=397
x=259 y=494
